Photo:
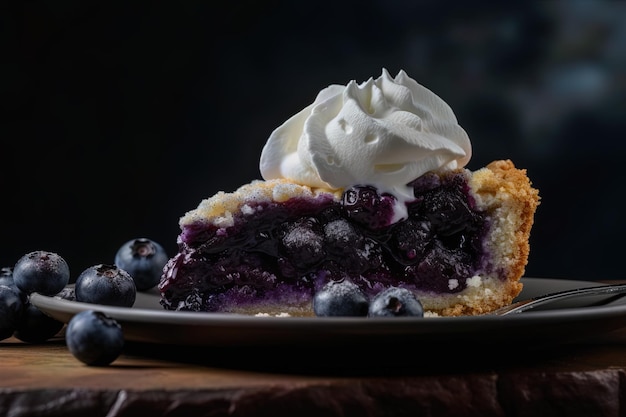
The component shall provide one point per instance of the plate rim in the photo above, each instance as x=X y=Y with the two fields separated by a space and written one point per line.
x=50 y=303
x=222 y=329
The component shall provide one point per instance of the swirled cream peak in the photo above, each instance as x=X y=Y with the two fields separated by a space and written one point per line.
x=384 y=132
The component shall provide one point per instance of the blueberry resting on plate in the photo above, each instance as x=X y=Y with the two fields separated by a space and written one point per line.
x=68 y=293
x=94 y=338
x=107 y=285
x=41 y=271
x=395 y=302
x=340 y=298
x=144 y=260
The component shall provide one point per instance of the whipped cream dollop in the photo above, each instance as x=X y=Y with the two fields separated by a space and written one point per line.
x=384 y=132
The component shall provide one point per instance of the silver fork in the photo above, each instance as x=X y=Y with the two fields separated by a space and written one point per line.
x=524 y=305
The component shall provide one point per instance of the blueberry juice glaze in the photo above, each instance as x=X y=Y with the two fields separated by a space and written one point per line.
x=285 y=252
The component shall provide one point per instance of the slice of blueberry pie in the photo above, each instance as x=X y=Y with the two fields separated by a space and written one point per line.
x=367 y=184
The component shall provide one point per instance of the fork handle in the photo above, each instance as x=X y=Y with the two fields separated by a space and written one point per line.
x=526 y=305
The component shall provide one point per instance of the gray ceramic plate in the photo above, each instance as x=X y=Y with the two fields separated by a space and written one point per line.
x=147 y=322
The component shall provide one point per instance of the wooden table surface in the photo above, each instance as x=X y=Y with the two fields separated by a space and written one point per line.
x=583 y=378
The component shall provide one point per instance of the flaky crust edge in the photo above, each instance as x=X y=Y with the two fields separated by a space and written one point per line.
x=507 y=195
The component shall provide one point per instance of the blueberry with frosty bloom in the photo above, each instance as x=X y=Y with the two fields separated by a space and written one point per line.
x=41 y=271
x=107 y=285
x=11 y=310
x=94 y=338
x=340 y=298
x=144 y=260
x=395 y=302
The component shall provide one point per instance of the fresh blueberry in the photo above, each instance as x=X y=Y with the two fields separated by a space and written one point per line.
x=144 y=260
x=395 y=302
x=11 y=310
x=67 y=293
x=35 y=326
x=6 y=276
x=40 y=271
x=105 y=284
x=340 y=298
x=94 y=338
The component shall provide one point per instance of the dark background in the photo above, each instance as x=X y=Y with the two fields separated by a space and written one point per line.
x=117 y=119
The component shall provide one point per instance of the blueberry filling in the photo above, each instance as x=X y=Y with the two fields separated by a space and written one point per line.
x=285 y=252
